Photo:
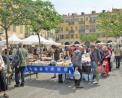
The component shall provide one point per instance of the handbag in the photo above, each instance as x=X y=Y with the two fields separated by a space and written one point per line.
x=99 y=69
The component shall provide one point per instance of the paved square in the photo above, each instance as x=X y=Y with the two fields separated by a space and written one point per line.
x=44 y=87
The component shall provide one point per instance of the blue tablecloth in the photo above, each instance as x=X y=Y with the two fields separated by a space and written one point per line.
x=49 y=69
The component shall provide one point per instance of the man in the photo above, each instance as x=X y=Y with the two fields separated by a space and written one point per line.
x=76 y=60
x=19 y=69
x=94 y=63
x=56 y=57
x=117 y=52
x=100 y=53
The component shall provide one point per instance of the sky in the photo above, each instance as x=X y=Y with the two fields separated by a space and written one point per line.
x=78 y=6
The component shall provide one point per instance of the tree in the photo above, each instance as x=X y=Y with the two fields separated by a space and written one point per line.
x=110 y=23
x=89 y=37
x=13 y=12
x=43 y=16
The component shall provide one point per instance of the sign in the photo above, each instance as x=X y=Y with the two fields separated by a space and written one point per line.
x=49 y=69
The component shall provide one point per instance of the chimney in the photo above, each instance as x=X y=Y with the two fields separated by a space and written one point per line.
x=64 y=15
x=82 y=13
x=74 y=14
x=68 y=14
x=103 y=11
x=93 y=12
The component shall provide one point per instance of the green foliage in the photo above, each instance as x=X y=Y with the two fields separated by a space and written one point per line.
x=110 y=23
x=89 y=37
x=13 y=12
x=37 y=15
x=44 y=16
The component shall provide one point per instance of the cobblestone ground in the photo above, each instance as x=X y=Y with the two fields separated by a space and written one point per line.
x=44 y=87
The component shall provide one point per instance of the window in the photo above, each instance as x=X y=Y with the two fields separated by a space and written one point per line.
x=92 y=19
x=67 y=36
x=14 y=28
x=72 y=20
x=71 y=30
x=92 y=28
x=76 y=28
x=76 y=35
x=87 y=27
x=61 y=36
x=67 y=29
x=87 y=18
x=76 y=20
x=81 y=21
x=82 y=28
x=66 y=20
x=72 y=36
x=61 y=29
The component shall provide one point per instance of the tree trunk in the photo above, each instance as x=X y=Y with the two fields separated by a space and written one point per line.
x=8 y=61
x=39 y=45
x=6 y=33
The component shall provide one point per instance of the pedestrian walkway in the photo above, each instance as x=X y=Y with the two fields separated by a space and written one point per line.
x=44 y=87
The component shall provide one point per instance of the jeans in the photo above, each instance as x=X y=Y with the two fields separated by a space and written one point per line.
x=19 y=73
x=94 y=71
x=117 y=61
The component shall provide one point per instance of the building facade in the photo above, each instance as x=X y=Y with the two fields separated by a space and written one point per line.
x=73 y=26
x=23 y=31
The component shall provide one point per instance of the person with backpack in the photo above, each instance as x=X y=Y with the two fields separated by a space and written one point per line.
x=20 y=57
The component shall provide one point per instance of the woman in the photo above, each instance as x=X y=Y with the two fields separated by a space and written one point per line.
x=107 y=56
x=3 y=85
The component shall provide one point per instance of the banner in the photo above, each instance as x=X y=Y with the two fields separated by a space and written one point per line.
x=49 y=69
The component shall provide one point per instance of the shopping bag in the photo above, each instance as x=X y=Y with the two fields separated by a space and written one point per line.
x=77 y=75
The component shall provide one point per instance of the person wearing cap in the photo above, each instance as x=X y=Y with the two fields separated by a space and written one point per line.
x=19 y=69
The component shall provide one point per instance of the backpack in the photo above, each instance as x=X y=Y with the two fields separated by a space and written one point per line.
x=76 y=57
x=99 y=55
x=17 y=59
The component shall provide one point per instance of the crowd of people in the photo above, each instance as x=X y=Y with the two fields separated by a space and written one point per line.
x=99 y=54
x=102 y=57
